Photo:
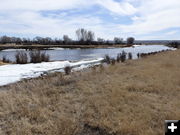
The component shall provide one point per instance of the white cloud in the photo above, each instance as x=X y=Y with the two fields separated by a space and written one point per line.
x=155 y=15
x=23 y=16
x=121 y=8
x=148 y=17
x=35 y=23
x=37 y=5
x=171 y=32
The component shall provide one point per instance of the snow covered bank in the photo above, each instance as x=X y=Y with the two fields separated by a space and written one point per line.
x=10 y=50
x=15 y=72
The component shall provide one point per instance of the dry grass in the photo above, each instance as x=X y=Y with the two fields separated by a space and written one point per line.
x=2 y=63
x=131 y=98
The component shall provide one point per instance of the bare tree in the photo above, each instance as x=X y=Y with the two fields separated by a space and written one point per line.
x=100 y=40
x=27 y=41
x=66 y=39
x=81 y=34
x=84 y=35
x=130 y=40
x=90 y=36
x=38 y=40
x=16 y=40
x=5 y=39
x=118 y=40
x=46 y=41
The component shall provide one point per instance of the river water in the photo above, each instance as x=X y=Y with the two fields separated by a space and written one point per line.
x=61 y=54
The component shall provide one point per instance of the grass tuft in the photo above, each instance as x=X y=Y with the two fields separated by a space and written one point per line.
x=67 y=70
x=107 y=59
x=38 y=56
x=21 y=58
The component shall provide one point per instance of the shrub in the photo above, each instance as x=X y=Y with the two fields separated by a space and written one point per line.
x=45 y=57
x=107 y=59
x=67 y=70
x=21 y=58
x=118 y=59
x=138 y=55
x=113 y=61
x=123 y=56
x=5 y=60
x=130 y=56
x=174 y=44
x=37 y=57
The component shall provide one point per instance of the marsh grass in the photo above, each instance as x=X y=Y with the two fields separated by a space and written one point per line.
x=123 y=56
x=130 y=56
x=113 y=61
x=21 y=58
x=5 y=60
x=118 y=58
x=107 y=59
x=37 y=56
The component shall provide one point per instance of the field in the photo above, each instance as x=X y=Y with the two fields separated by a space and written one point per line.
x=131 y=98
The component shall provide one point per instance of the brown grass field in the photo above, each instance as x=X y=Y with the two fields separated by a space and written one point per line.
x=132 y=98
x=2 y=63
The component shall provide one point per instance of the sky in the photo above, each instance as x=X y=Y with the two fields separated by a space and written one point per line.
x=142 y=19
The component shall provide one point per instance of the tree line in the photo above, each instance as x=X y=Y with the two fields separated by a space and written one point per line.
x=84 y=37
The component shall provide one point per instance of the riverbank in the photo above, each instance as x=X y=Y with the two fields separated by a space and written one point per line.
x=2 y=63
x=9 y=46
x=134 y=98
x=13 y=73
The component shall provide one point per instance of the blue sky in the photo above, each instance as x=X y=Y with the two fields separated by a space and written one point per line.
x=143 y=19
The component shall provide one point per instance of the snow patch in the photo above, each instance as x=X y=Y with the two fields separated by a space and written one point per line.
x=11 y=50
x=16 y=72
x=55 y=48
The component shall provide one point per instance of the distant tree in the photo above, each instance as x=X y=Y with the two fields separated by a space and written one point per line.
x=58 y=41
x=118 y=40
x=46 y=41
x=81 y=33
x=37 y=40
x=5 y=39
x=16 y=40
x=43 y=41
x=84 y=35
x=130 y=40
x=90 y=36
x=174 y=44
x=13 y=39
x=66 y=39
x=100 y=40
x=26 y=41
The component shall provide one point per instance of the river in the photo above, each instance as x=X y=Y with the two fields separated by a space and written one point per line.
x=60 y=54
